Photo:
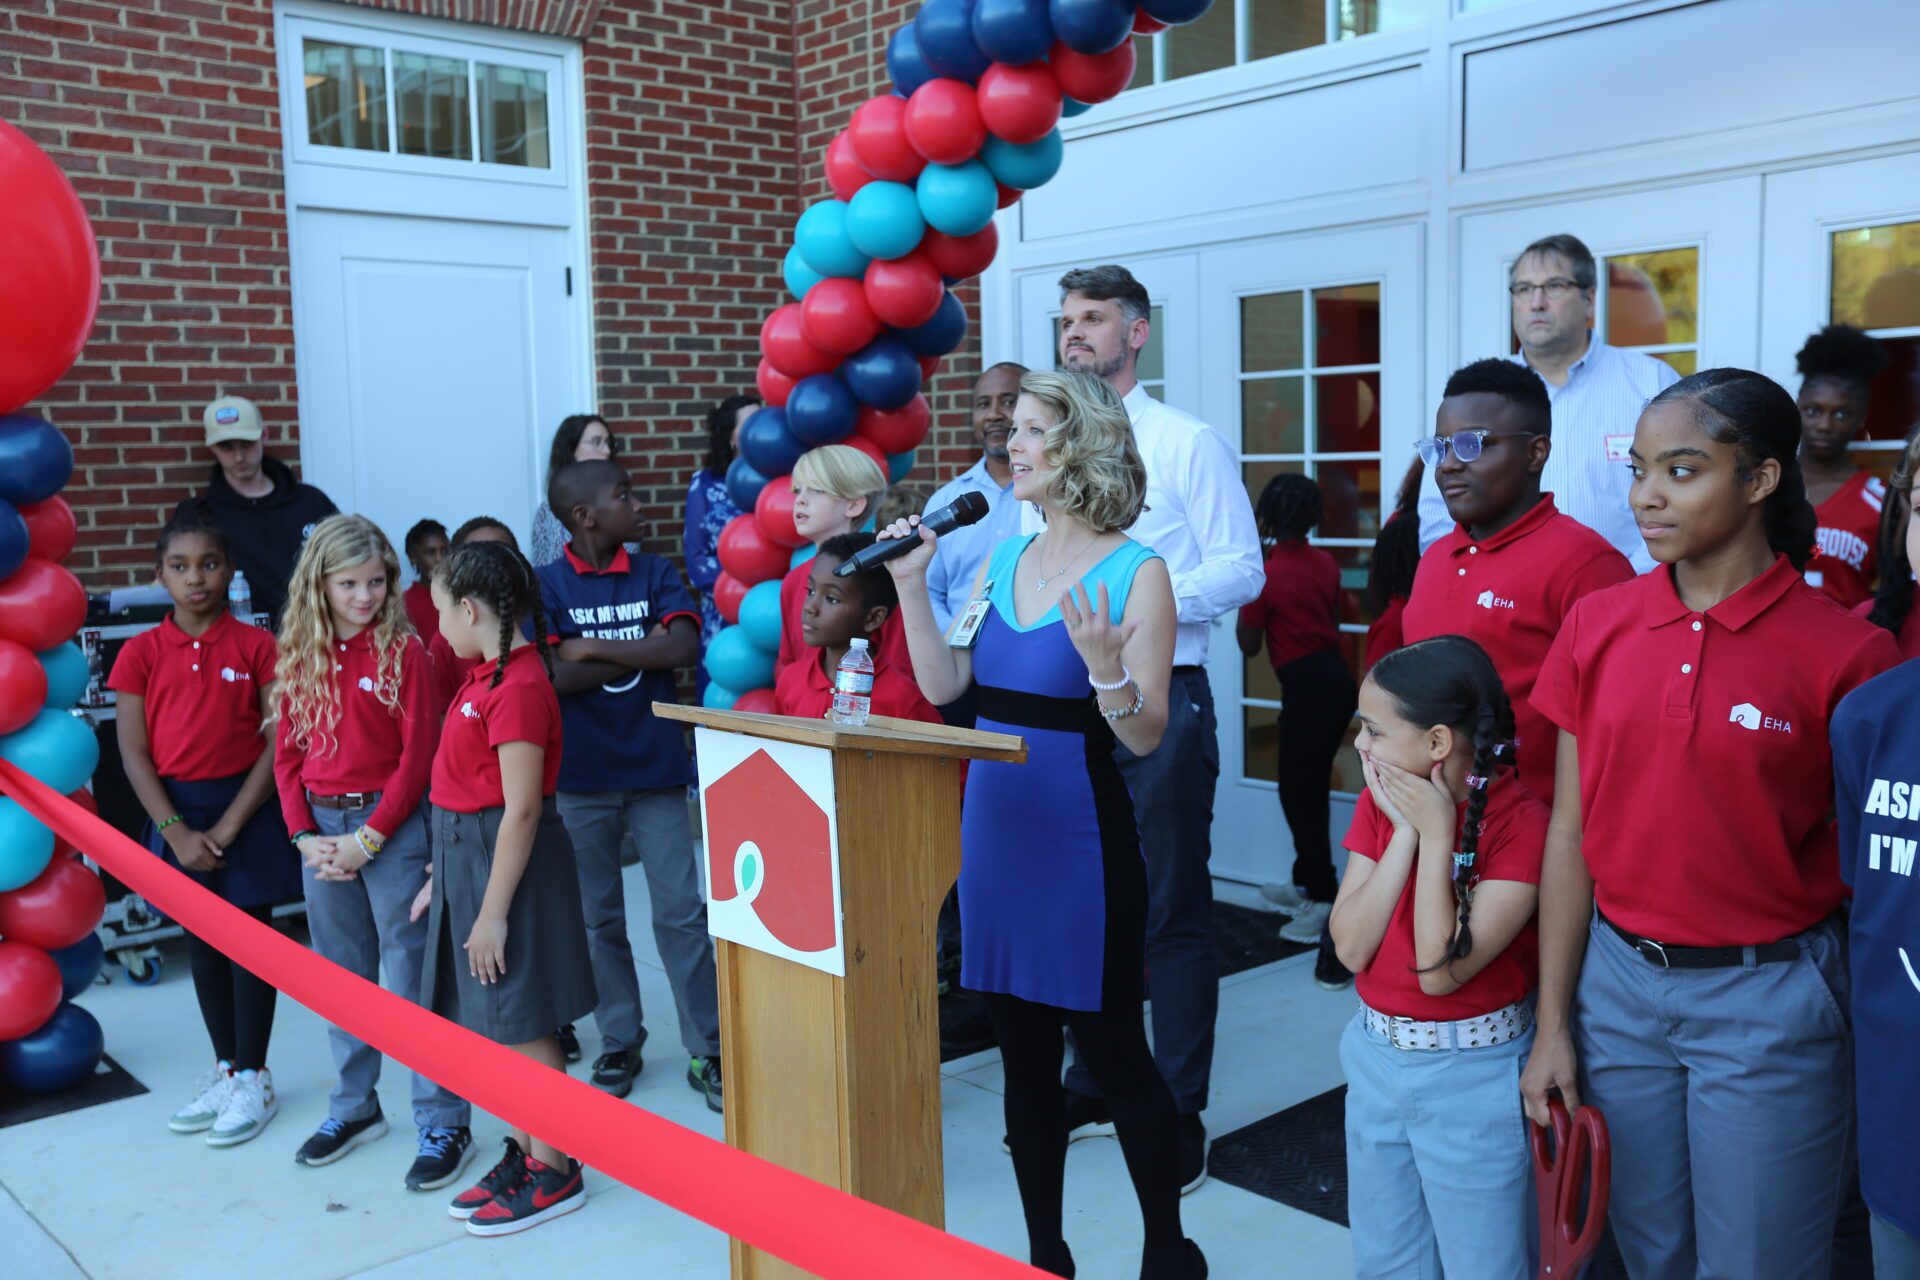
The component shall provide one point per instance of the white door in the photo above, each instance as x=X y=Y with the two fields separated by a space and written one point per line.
x=434 y=362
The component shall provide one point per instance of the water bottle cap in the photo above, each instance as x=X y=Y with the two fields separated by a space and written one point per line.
x=859 y=644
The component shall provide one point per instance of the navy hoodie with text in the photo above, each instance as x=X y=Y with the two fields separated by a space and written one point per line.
x=266 y=533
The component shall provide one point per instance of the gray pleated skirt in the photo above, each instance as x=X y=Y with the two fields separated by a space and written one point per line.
x=549 y=974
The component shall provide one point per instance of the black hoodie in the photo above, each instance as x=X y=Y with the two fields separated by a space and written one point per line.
x=266 y=533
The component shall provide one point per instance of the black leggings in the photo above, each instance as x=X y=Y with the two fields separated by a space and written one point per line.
x=1318 y=697
x=1113 y=1046
x=236 y=1006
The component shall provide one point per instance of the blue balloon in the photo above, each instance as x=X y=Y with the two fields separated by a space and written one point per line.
x=1071 y=107
x=760 y=615
x=1092 y=26
x=1176 y=12
x=79 y=964
x=884 y=221
x=57 y=748
x=1015 y=32
x=26 y=845
x=944 y=31
x=734 y=660
x=900 y=465
x=883 y=374
x=767 y=445
x=821 y=236
x=58 y=1056
x=801 y=554
x=958 y=199
x=67 y=675
x=946 y=331
x=904 y=64
x=1024 y=165
x=718 y=696
x=15 y=540
x=799 y=276
x=820 y=410
x=35 y=460
x=744 y=483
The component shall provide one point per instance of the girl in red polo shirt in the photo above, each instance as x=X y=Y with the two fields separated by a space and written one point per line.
x=193 y=695
x=1701 y=1007
x=426 y=547
x=1435 y=918
x=506 y=936
x=356 y=737
x=1837 y=366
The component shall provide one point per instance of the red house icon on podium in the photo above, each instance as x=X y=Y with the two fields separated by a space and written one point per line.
x=770 y=843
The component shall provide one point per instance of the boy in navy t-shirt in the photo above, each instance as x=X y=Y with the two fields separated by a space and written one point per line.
x=625 y=621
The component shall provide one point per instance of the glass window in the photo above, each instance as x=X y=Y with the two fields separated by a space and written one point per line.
x=1142 y=62
x=1272 y=27
x=1206 y=45
x=1364 y=17
x=432 y=95
x=1272 y=332
x=1651 y=302
x=1281 y=26
x=346 y=95
x=1273 y=415
x=1876 y=287
x=513 y=116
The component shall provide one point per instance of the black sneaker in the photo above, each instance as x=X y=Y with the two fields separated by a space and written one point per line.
x=569 y=1043
x=443 y=1154
x=704 y=1076
x=1193 y=1154
x=511 y=1168
x=1329 y=974
x=537 y=1195
x=614 y=1072
x=334 y=1138
x=1086 y=1118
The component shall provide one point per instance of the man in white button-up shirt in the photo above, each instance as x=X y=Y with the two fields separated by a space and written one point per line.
x=1597 y=392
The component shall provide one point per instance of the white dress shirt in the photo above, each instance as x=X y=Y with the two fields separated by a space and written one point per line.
x=957 y=557
x=1594 y=414
x=1198 y=519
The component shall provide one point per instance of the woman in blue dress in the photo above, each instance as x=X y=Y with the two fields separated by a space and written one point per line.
x=709 y=508
x=1073 y=651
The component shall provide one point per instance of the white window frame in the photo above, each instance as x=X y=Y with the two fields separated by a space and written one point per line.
x=1699 y=302
x=1826 y=308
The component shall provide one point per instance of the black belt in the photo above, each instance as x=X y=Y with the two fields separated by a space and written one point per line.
x=1190 y=670
x=1667 y=956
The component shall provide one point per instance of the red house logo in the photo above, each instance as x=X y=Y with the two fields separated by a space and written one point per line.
x=771 y=845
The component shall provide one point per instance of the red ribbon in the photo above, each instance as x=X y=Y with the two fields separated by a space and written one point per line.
x=816 y=1227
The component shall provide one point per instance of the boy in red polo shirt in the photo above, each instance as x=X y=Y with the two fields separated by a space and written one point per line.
x=836 y=612
x=1513 y=566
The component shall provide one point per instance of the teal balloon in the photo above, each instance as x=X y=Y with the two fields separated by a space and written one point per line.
x=900 y=465
x=67 y=675
x=1024 y=165
x=821 y=236
x=58 y=749
x=26 y=845
x=801 y=554
x=1071 y=107
x=760 y=615
x=958 y=199
x=884 y=221
x=718 y=697
x=734 y=660
x=799 y=276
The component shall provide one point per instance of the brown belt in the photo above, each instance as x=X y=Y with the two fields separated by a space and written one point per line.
x=351 y=800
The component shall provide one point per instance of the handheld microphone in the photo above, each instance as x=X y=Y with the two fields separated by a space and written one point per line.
x=968 y=508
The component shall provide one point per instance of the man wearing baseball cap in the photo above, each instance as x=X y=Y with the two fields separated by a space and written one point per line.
x=265 y=512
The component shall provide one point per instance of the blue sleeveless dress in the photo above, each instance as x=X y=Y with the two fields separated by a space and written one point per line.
x=1053 y=891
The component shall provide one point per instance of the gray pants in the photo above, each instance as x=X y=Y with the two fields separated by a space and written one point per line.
x=658 y=822
x=1728 y=1094
x=362 y=926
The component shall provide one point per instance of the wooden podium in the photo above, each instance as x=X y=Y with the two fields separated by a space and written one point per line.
x=835 y=1077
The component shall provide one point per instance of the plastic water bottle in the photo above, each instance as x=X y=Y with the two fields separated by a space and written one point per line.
x=853 y=686
x=240 y=598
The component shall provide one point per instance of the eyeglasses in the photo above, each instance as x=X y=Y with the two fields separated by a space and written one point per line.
x=1466 y=445
x=1556 y=289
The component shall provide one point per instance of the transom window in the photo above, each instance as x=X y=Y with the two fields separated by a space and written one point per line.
x=1237 y=31
x=366 y=98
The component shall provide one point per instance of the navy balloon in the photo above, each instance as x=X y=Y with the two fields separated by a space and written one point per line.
x=884 y=374
x=79 y=965
x=1015 y=32
x=35 y=459
x=904 y=64
x=1092 y=26
x=767 y=445
x=1176 y=12
x=821 y=410
x=744 y=482
x=14 y=540
x=943 y=29
x=946 y=331
x=61 y=1054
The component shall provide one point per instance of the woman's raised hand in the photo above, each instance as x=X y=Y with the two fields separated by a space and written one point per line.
x=1096 y=637
x=913 y=564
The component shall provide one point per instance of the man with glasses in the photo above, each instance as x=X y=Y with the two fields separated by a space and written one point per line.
x=1596 y=391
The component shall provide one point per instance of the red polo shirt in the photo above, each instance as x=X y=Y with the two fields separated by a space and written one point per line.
x=466 y=768
x=1510 y=594
x=372 y=747
x=1513 y=834
x=804 y=690
x=202 y=695
x=1706 y=783
x=891 y=649
x=1847 y=540
x=1909 y=637
x=449 y=671
x=1299 y=608
x=418 y=599
x=1384 y=633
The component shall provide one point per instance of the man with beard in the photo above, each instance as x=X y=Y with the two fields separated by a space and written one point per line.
x=957 y=559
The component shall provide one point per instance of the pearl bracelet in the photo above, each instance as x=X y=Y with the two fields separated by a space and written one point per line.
x=1111 y=714
x=1126 y=678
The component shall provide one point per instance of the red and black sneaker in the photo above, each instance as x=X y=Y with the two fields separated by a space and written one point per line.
x=512 y=1167
x=540 y=1194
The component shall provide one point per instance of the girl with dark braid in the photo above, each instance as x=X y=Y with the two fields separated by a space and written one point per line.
x=503 y=885
x=1837 y=367
x=1435 y=918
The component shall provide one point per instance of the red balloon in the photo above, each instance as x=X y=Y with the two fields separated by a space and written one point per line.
x=56 y=908
x=1145 y=24
x=1009 y=196
x=904 y=292
x=961 y=257
x=773 y=512
x=896 y=432
x=51 y=286
x=835 y=317
x=29 y=989
x=50 y=528
x=774 y=386
x=1020 y=104
x=844 y=173
x=1092 y=77
x=878 y=134
x=869 y=448
x=943 y=122
x=23 y=686
x=929 y=365
x=728 y=592
x=783 y=341
x=757 y=701
x=83 y=798
x=749 y=555
x=41 y=605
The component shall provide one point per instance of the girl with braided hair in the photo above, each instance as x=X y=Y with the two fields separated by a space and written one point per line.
x=506 y=937
x=1435 y=918
x=1837 y=367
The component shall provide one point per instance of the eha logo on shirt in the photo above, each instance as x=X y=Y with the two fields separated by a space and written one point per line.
x=1488 y=600
x=1749 y=717
x=231 y=676
x=366 y=683
x=466 y=709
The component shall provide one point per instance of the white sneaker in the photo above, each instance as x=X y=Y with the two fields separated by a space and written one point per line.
x=1306 y=926
x=250 y=1104
x=200 y=1114
x=1287 y=897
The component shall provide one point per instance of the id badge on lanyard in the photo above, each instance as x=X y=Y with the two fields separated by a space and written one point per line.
x=966 y=632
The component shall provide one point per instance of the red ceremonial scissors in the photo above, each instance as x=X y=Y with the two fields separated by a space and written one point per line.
x=1570 y=1231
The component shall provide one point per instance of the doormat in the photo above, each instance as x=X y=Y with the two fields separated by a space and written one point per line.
x=109 y=1082
x=1248 y=938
